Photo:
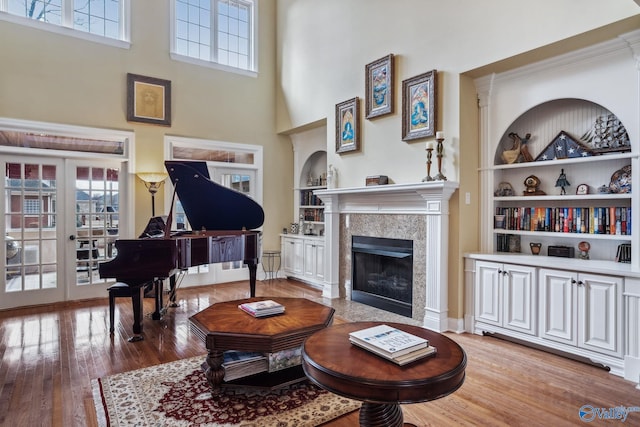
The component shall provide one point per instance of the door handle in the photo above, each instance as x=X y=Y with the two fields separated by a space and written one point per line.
x=72 y=237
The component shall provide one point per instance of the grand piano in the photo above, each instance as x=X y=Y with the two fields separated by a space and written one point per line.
x=223 y=223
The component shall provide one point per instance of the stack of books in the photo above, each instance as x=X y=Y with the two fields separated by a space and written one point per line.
x=238 y=364
x=262 y=308
x=392 y=344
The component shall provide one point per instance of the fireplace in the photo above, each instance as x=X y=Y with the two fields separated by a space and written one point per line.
x=382 y=273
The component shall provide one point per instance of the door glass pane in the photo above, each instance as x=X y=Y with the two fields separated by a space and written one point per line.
x=242 y=184
x=30 y=222
x=97 y=217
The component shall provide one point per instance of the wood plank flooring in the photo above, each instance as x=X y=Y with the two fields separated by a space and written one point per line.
x=49 y=355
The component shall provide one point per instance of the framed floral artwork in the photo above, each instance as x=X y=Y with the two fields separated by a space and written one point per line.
x=379 y=87
x=348 y=126
x=148 y=100
x=419 y=106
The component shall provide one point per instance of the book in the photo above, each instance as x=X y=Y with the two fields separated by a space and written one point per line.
x=262 y=308
x=238 y=364
x=388 y=341
x=401 y=359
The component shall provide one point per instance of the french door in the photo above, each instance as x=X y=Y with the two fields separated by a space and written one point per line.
x=60 y=219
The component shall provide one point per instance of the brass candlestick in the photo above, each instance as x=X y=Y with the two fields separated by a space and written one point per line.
x=428 y=177
x=439 y=149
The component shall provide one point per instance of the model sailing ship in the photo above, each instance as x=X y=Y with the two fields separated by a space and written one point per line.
x=607 y=134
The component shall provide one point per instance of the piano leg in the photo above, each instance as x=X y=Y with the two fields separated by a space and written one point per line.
x=172 y=291
x=159 y=284
x=253 y=269
x=137 y=296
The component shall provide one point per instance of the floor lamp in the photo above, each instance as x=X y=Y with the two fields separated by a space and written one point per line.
x=153 y=181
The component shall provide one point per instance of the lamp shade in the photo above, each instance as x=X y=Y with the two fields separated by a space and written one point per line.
x=152 y=177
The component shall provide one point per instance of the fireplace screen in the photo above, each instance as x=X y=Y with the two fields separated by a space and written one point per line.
x=382 y=273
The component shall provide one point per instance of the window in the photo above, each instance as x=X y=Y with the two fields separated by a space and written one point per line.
x=101 y=18
x=215 y=31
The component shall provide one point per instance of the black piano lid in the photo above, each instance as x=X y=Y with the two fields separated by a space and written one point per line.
x=208 y=205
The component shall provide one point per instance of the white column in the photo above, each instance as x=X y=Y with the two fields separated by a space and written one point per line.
x=631 y=320
x=331 y=288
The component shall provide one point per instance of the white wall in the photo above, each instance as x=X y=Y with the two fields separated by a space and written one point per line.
x=325 y=45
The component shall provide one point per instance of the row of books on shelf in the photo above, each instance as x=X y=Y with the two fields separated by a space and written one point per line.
x=262 y=308
x=307 y=198
x=240 y=364
x=313 y=215
x=393 y=344
x=588 y=220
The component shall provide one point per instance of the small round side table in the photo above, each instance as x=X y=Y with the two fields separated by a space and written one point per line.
x=271 y=264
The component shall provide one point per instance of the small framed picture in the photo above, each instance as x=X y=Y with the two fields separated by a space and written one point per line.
x=379 y=89
x=348 y=126
x=419 y=106
x=148 y=100
x=582 y=189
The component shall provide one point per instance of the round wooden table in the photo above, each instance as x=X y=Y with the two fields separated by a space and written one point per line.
x=333 y=363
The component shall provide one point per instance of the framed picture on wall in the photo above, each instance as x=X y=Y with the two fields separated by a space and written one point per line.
x=379 y=87
x=148 y=100
x=419 y=106
x=348 y=126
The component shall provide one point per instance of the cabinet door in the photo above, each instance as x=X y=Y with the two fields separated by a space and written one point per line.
x=558 y=300
x=600 y=302
x=291 y=255
x=320 y=261
x=310 y=259
x=488 y=297
x=519 y=298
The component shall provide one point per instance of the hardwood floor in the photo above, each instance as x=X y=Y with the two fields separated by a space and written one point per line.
x=50 y=354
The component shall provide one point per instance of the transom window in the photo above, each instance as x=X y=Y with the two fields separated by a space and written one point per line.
x=215 y=31
x=102 y=18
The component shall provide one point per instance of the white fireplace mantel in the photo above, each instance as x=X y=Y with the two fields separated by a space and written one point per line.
x=430 y=199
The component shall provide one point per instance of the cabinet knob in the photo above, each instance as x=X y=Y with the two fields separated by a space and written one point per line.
x=580 y=283
x=573 y=281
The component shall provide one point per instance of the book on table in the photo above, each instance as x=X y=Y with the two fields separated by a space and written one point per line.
x=392 y=344
x=262 y=308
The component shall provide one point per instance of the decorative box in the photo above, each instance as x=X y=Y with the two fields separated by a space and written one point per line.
x=377 y=180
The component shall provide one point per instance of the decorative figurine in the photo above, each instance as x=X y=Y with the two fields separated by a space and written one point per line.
x=584 y=249
x=535 y=248
x=518 y=152
x=562 y=182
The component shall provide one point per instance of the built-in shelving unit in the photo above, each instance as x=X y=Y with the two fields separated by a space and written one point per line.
x=552 y=218
x=585 y=304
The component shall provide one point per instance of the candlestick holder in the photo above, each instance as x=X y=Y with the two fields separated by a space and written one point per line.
x=428 y=177
x=439 y=149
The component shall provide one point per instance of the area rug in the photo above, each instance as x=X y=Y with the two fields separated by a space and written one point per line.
x=177 y=394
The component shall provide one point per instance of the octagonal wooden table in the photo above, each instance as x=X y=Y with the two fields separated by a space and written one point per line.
x=223 y=326
x=333 y=363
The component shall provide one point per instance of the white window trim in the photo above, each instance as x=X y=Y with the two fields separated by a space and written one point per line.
x=253 y=72
x=72 y=131
x=125 y=19
x=256 y=150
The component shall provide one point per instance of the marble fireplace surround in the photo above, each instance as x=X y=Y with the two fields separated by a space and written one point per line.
x=418 y=212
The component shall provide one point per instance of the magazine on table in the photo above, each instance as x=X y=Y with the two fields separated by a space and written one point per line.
x=262 y=308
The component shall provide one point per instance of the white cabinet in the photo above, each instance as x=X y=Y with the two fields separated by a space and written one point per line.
x=303 y=257
x=505 y=296
x=582 y=310
x=314 y=260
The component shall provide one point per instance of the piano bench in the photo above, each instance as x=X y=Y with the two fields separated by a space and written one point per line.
x=117 y=290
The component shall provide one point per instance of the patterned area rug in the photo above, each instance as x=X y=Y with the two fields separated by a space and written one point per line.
x=177 y=394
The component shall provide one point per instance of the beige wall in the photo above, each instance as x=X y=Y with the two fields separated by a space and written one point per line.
x=325 y=45
x=54 y=78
